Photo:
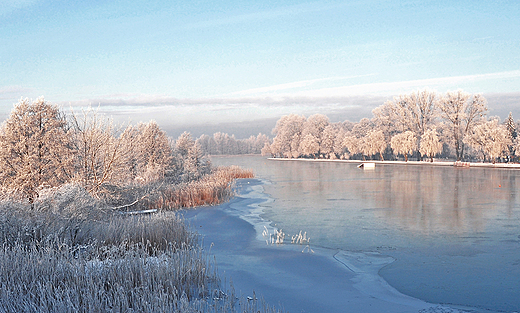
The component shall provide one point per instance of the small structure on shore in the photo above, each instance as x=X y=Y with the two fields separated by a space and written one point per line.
x=367 y=166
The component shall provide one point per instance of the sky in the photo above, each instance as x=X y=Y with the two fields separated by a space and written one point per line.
x=205 y=65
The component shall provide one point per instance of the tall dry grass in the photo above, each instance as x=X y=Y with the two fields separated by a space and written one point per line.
x=70 y=252
x=212 y=189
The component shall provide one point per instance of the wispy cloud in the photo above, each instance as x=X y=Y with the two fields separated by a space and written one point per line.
x=151 y=101
x=262 y=15
x=294 y=85
x=393 y=88
x=9 y=6
x=295 y=93
x=8 y=92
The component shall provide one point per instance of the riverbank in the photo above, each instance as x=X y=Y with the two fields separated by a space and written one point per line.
x=412 y=163
x=299 y=278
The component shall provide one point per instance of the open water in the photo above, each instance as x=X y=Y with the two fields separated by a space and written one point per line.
x=454 y=232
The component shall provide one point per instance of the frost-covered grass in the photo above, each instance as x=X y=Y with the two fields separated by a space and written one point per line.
x=70 y=252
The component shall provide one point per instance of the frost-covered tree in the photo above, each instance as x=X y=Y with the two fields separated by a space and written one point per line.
x=189 y=155
x=315 y=126
x=414 y=112
x=498 y=141
x=146 y=152
x=35 y=148
x=260 y=141
x=99 y=157
x=288 y=134
x=131 y=158
x=362 y=128
x=353 y=144
x=309 y=146
x=404 y=143
x=222 y=143
x=266 y=150
x=327 y=142
x=225 y=144
x=207 y=144
x=430 y=144
x=374 y=142
x=384 y=119
x=338 y=146
x=462 y=112
x=477 y=140
x=511 y=129
x=491 y=138
x=517 y=148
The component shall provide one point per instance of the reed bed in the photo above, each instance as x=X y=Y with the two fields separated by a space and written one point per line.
x=70 y=252
x=212 y=189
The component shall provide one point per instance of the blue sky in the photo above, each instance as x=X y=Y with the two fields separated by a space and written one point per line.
x=190 y=62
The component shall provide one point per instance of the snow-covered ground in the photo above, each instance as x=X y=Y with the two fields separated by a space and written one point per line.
x=298 y=278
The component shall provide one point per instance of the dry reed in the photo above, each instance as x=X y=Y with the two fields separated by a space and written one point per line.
x=67 y=252
x=212 y=189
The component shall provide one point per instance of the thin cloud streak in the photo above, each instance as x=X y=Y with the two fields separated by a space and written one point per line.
x=259 y=16
x=394 y=88
x=147 y=101
x=9 y=6
x=13 y=92
x=13 y=89
x=298 y=84
x=312 y=97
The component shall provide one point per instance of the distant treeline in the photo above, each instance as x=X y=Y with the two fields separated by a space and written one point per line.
x=421 y=124
x=224 y=144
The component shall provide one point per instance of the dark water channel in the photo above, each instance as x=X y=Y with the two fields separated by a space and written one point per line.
x=454 y=232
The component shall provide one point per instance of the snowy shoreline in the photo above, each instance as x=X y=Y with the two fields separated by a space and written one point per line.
x=411 y=163
x=324 y=280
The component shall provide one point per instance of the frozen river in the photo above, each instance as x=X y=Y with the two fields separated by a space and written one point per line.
x=454 y=232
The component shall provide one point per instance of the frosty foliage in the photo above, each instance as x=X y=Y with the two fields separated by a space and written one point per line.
x=404 y=143
x=191 y=163
x=99 y=150
x=461 y=111
x=352 y=144
x=374 y=142
x=490 y=138
x=430 y=144
x=327 y=140
x=411 y=112
x=288 y=134
x=315 y=126
x=146 y=152
x=65 y=248
x=511 y=127
x=422 y=123
x=36 y=148
x=309 y=146
x=225 y=144
x=64 y=254
x=40 y=148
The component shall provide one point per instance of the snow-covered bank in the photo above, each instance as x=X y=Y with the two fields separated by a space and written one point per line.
x=423 y=163
x=323 y=281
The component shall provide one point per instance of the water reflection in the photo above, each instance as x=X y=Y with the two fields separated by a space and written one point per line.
x=455 y=232
x=421 y=200
x=434 y=199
